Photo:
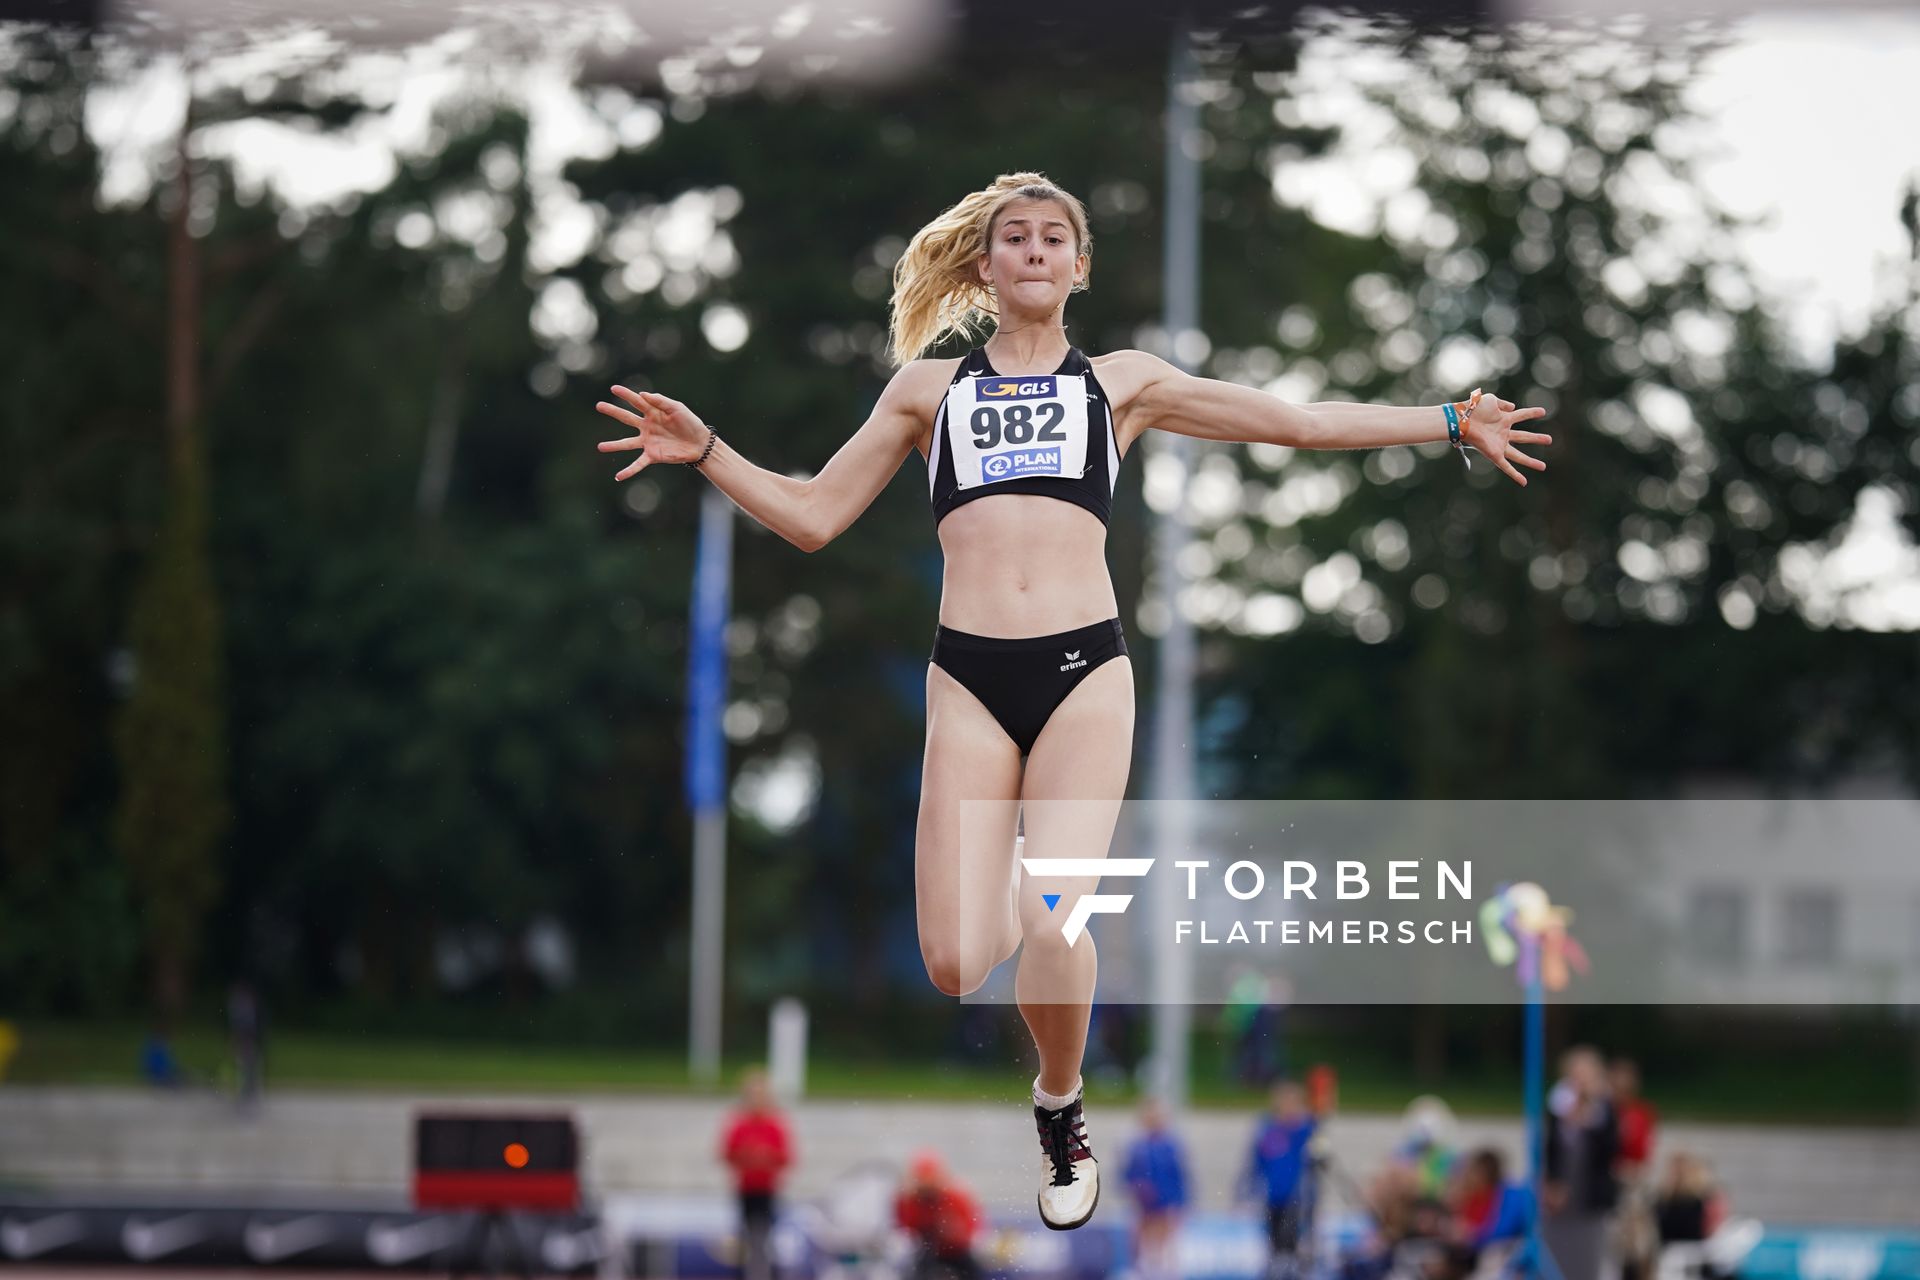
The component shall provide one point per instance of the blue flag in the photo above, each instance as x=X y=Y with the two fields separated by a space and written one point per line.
x=706 y=758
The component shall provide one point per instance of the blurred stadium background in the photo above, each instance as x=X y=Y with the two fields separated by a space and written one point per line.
x=341 y=771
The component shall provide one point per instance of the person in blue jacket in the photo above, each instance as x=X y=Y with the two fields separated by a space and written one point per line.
x=1156 y=1177
x=1277 y=1169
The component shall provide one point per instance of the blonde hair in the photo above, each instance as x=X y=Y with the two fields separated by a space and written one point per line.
x=937 y=291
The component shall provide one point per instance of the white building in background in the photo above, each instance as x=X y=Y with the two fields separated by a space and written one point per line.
x=1809 y=900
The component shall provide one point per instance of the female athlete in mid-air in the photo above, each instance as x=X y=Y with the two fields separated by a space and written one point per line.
x=1029 y=691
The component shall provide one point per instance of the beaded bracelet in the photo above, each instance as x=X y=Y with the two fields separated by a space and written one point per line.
x=1456 y=414
x=713 y=438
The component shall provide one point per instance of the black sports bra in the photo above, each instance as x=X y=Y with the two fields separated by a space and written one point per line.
x=1048 y=434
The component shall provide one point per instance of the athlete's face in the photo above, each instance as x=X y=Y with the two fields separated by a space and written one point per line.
x=1032 y=261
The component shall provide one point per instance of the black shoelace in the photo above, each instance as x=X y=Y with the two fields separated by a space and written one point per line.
x=1063 y=1137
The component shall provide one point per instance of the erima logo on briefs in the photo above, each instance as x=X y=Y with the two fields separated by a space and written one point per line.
x=1021 y=462
x=1090 y=904
x=1017 y=388
x=1074 y=660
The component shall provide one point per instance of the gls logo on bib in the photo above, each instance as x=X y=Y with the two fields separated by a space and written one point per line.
x=1005 y=428
x=1016 y=388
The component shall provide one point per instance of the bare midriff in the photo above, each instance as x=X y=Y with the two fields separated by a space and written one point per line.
x=1020 y=564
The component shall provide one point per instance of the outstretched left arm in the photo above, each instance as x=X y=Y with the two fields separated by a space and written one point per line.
x=1172 y=400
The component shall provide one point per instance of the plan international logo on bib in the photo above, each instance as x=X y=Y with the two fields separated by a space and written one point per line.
x=1016 y=388
x=1021 y=462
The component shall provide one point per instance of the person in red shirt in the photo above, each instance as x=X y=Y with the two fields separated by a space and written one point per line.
x=1635 y=1241
x=942 y=1217
x=758 y=1148
x=1638 y=1120
x=1474 y=1195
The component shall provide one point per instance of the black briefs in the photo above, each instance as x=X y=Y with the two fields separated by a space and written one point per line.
x=1023 y=681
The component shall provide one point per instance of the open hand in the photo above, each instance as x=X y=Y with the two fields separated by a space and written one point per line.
x=1490 y=430
x=664 y=430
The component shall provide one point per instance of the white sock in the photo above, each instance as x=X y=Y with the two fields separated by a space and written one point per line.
x=1053 y=1102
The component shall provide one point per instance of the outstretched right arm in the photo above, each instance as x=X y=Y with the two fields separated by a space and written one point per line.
x=807 y=513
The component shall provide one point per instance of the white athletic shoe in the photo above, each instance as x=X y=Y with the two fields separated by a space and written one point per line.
x=1069 y=1175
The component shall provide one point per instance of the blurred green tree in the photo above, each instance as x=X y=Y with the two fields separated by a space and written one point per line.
x=446 y=652
x=1547 y=238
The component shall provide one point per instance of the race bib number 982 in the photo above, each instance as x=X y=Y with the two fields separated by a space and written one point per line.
x=1004 y=428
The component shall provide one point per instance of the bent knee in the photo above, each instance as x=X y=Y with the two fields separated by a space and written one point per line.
x=953 y=972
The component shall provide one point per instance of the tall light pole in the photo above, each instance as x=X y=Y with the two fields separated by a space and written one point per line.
x=1173 y=773
x=706 y=780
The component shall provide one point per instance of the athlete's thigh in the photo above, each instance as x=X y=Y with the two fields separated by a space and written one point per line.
x=1076 y=778
x=963 y=850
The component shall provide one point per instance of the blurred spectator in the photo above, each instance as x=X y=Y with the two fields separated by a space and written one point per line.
x=1490 y=1208
x=1410 y=1232
x=247 y=1035
x=1483 y=1209
x=1323 y=1089
x=1255 y=1017
x=1635 y=1239
x=1474 y=1196
x=1156 y=1174
x=158 y=1066
x=1394 y=1194
x=9 y=1045
x=1638 y=1119
x=1392 y=1197
x=1426 y=1145
x=1688 y=1206
x=1582 y=1140
x=1277 y=1170
x=943 y=1219
x=758 y=1148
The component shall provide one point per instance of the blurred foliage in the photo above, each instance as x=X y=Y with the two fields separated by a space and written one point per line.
x=1554 y=244
x=171 y=744
x=1732 y=1068
x=454 y=648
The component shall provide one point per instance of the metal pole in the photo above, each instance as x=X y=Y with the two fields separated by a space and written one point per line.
x=1540 y=1263
x=706 y=778
x=709 y=938
x=1173 y=774
x=1535 y=1055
